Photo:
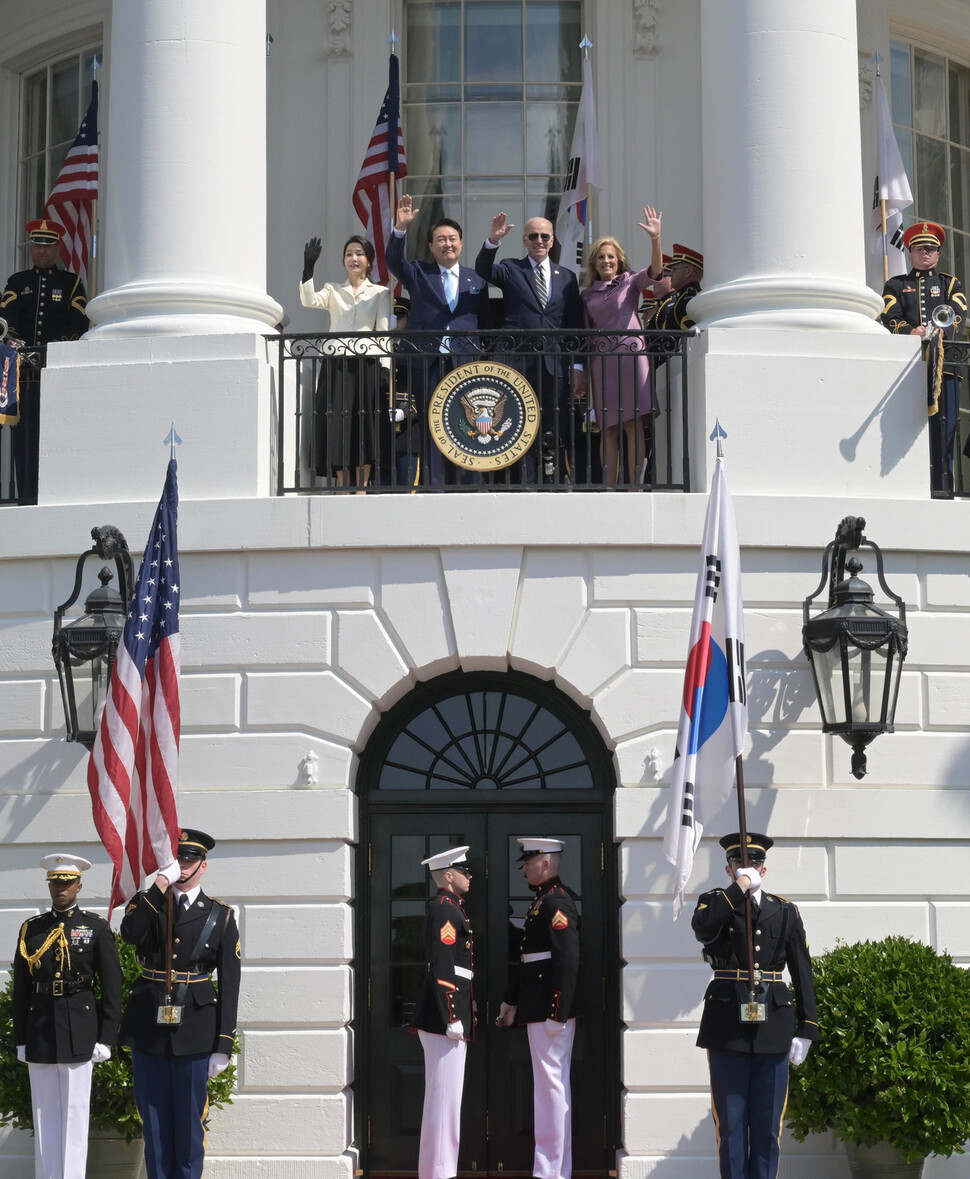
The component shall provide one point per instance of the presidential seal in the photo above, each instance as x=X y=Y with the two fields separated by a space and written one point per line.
x=483 y=416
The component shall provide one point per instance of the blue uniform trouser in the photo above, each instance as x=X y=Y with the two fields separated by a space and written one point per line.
x=748 y=1096
x=170 y=1092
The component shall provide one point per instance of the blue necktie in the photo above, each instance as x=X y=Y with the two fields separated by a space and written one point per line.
x=451 y=288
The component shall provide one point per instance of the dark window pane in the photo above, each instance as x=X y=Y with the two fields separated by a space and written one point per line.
x=433 y=51
x=929 y=94
x=485 y=740
x=64 y=102
x=434 y=140
x=960 y=188
x=547 y=137
x=34 y=189
x=493 y=41
x=406 y=982
x=552 y=36
x=904 y=137
x=901 y=85
x=35 y=114
x=931 y=178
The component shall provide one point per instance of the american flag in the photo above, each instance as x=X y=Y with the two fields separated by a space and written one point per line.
x=133 y=769
x=384 y=157
x=75 y=190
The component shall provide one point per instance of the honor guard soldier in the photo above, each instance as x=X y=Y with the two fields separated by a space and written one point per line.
x=179 y=1028
x=60 y=1029
x=910 y=302
x=41 y=305
x=542 y=995
x=444 y=1016
x=750 y=1044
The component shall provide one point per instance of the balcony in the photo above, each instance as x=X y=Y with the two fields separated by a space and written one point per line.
x=494 y=430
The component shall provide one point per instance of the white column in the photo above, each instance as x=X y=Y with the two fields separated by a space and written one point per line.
x=784 y=205
x=184 y=205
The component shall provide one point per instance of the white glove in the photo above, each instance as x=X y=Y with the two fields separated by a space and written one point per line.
x=553 y=1028
x=396 y=415
x=506 y=1015
x=100 y=1054
x=171 y=872
x=752 y=875
x=22 y=1053
x=454 y=1030
x=218 y=1063
x=799 y=1050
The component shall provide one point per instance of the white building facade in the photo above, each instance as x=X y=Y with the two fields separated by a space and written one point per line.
x=350 y=662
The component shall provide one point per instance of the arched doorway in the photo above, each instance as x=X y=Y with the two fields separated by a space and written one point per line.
x=480 y=758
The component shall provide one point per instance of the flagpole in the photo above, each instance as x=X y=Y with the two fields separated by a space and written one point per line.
x=392 y=176
x=93 y=269
x=877 y=58
x=586 y=45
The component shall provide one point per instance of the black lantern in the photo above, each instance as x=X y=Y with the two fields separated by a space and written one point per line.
x=855 y=648
x=84 y=650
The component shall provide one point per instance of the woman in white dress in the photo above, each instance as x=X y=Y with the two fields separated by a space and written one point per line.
x=346 y=405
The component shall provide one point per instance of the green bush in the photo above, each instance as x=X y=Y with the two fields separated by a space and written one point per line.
x=112 y=1088
x=893 y=1061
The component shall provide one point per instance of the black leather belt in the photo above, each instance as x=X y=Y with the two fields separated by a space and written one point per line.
x=57 y=988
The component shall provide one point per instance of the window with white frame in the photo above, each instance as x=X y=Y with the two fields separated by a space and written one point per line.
x=55 y=97
x=931 y=117
x=489 y=98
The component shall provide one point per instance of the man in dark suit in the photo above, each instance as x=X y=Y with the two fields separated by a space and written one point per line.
x=41 y=305
x=443 y=1016
x=539 y=296
x=183 y=1036
x=749 y=1057
x=446 y=297
x=60 y=1029
x=542 y=995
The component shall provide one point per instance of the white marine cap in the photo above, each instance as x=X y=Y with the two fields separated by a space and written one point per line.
x=446 y=859
x=533 y=845
x=64 y=865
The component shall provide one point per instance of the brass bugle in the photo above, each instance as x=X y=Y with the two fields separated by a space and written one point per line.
x=943 y=316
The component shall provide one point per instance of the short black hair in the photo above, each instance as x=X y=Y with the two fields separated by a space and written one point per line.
x=367 y=246
x=442 y=223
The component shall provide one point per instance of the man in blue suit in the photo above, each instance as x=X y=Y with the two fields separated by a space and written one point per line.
x=447 y=298
x=539 y=294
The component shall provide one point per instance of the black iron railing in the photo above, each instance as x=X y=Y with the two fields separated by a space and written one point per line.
x=956 y=360
x=32 y=360
x=609 y=410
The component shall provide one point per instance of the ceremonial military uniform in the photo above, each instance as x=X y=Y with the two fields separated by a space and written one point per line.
x=172 y=1059
x=45 y=306
x=446 y=996
x=58 y=1023
x=749 y=1061
x=444 y=1016
x=671 y=313
x=542 y=987
x=909 y=302
x=544 y=984
x=41 y=305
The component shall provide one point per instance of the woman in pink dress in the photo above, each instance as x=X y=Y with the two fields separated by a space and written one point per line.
x=622 y=391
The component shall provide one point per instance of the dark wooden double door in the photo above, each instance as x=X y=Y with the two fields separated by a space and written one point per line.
x=496 y=1137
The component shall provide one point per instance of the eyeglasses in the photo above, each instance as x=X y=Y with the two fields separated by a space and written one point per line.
x=536 y=237
x=927 y=249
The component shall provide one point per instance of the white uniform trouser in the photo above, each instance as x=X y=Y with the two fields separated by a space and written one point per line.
x=553 y=1105
x=60 y=1095
x=444 y=1078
